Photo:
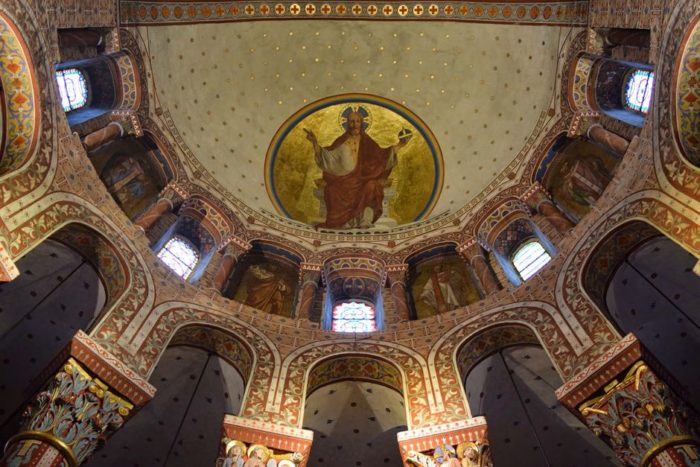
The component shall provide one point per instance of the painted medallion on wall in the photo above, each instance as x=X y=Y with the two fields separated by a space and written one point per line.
x=440 y=283
x=354 y=161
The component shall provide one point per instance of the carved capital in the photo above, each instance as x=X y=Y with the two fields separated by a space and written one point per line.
x=636 y=412
x=89 y=397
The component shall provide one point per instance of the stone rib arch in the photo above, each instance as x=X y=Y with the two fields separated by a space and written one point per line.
x=289 y=396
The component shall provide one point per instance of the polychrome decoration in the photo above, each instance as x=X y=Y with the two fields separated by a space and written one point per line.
x=354 y=161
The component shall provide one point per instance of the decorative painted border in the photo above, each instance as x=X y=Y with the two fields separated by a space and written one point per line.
x=533 y=13
x=440 y=429
x=353 y=98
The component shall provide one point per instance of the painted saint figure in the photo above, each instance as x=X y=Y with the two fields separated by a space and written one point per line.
x=265 y=291
x=355 y=172
x=438 y=292
x=584 y=179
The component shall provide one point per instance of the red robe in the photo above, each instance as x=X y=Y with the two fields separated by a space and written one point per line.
x=348 y=195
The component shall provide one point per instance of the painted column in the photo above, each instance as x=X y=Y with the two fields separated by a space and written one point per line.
x=607 y=138
x=624 y=400
x=98 y=138
x=309 y=277
x=89 y=397
x=538 y=200
x=466 y=440
x=171 y=195
x=472 y=252
x=399 y=290
x=265 y=441
x=233 y=250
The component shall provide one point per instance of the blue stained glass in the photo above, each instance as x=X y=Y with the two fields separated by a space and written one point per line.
x=354 y=317
x=640 y=85
x=179 y=256
x=72 y=88
x=530 y=258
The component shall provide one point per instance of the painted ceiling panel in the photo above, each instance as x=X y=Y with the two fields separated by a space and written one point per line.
x=480 y=88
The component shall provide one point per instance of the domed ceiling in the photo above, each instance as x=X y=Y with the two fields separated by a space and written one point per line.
x=469 y=95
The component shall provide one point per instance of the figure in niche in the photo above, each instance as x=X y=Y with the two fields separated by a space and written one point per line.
x=355 y=172
x=265 y=291
x=584 y=179
x=474 y=454
x=125 y=180
x=438 y=292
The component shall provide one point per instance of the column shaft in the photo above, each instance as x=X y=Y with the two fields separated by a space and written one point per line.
x=103 y=136
x=607 y=138
x=154 y=213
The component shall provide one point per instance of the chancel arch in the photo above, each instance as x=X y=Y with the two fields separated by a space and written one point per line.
x=509 y=379
x=355 y=406
x=201 y=375
x=645 y=284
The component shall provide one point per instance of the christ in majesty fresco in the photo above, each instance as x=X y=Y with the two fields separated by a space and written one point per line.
x=355 y=172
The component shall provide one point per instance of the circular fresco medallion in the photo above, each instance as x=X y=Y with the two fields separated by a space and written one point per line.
x=354 y=161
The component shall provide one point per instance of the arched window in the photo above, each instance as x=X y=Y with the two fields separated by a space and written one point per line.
x=72 y=87
x=529 y=258
x=354 y=317
x=180 y=256
x=638 y=88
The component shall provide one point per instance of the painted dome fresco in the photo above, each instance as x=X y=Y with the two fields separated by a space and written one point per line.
x=468 y=96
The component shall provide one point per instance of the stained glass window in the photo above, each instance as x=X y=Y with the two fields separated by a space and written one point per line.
x=530 y=258
x=73 y=88
x=640 y=85
x=354 y=317
x=180 y=256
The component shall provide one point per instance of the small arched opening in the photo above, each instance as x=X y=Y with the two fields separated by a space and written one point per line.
x=355 y=406
x=509 y=378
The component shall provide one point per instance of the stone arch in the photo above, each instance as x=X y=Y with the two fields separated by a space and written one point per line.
x=556 y=336
x=20 y=98
x=326 y=371
x=57 y=210
x=145 y=345
x=286 y=399
x=576 y=306
x=489 y=340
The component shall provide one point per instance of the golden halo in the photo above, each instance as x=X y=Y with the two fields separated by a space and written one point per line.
x=463 y=447
x=362 y=110
x=235 y=442
x=267 y=452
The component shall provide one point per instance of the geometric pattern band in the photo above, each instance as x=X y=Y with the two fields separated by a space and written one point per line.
x=569 y=13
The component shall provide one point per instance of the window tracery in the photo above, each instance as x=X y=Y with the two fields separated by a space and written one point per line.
x=180 y=256
x=529 y=258
x=354 y=317
x=638 y=90
x=72 y=87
